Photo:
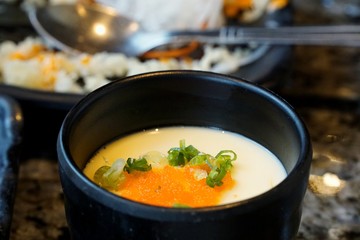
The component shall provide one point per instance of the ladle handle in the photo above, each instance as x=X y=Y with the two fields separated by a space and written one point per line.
x=341 y=35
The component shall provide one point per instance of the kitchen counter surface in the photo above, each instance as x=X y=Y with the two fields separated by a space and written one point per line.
x=323 y=85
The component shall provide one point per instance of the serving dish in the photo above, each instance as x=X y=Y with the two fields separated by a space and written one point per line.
x=43 y=111
x=267 y=59
x=185 y=98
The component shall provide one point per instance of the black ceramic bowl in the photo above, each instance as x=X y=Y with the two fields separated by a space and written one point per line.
x=182 y=98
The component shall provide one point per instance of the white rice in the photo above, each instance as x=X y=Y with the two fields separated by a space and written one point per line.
x=59 y=72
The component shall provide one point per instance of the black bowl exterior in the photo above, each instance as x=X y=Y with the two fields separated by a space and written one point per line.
x=173 y=98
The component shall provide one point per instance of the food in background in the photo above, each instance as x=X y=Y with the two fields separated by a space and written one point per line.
x=31 y=64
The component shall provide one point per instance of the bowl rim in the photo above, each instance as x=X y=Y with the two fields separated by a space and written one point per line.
x=66 y=163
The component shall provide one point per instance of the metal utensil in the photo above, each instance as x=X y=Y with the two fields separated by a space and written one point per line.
x=93 y=28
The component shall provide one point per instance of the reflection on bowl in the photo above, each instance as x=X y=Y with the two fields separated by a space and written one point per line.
x=11 y=123
x=186 y=98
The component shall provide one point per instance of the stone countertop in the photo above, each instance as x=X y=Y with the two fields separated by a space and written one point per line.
x=323 y=85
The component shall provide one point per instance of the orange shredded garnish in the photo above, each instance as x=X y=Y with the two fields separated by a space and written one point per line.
x=49 y=66
x=86 y=59
x=278 y=4
x=172 y=185
x=172 y=53
x=233 y=7
x=35 y=50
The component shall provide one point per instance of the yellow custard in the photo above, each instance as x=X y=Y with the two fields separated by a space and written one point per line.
x=255 y=170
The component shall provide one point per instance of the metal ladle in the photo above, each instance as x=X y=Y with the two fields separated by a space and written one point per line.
x=93 y=28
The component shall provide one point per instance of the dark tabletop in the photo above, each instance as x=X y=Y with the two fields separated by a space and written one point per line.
x=322 y=83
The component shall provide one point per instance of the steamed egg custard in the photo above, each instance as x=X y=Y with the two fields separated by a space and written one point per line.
x=185 y=166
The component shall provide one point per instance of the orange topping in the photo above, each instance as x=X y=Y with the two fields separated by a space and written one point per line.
x=172 y=53
x=172 y=185
x=49 y=71
x=278 y=4
x=86 y=59
x=232 y=7
x=36 y=49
